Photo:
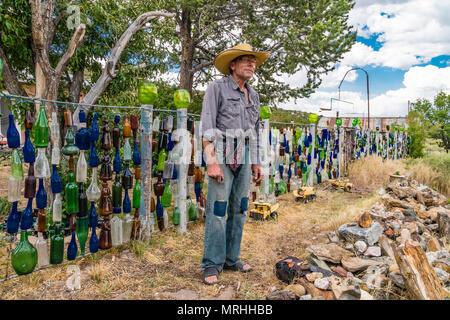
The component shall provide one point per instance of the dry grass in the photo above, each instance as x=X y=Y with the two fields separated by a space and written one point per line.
x=373 y=172
x=99 y=271
x=426 y=175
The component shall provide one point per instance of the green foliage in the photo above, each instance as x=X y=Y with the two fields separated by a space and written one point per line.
x=417 y=132
x=5 y=206
x=436 y=118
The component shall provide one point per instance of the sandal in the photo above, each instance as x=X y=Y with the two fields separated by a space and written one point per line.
x=208 y=272
x=238 y=266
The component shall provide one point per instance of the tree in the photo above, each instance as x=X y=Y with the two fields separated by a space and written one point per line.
x=417 y=132
x=436 y=118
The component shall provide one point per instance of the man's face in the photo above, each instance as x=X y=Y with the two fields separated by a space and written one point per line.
x=244 y=67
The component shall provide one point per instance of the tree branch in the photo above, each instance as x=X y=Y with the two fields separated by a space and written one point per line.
x=76 y=40
x=201 y=66
x=11 y=81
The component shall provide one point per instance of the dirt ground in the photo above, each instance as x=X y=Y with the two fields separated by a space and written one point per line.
x=167 y=266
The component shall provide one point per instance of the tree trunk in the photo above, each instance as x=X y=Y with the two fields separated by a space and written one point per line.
x=187 y=52
x=76 y=85
x=420 y=278
x=10 y=79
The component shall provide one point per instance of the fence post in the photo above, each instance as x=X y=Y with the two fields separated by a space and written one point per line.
x=312 y=128
x=183 y=140
x=147 y=218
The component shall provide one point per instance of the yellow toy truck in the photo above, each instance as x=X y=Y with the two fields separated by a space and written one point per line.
x=304 y=194
x=264 y=211
x=341 y=184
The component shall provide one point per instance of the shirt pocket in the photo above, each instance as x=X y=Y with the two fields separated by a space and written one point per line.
x=252 y=115
x=232 y=107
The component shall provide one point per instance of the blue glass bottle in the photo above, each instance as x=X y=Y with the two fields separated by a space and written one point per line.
x=175 y=173
x=26 y=221
x=12 y=223
x=170 y=142
x=29 y=154
x=159 y=208
x=41 y=195
x=55 y=182
x=12 y=135
x=94 y=128
x=93 y=241
x=126 y=204
x=72 y=248
x=281 y=169
x=93 y=156
x=83 y=136
x=117 y=162
x=136 y=154
x=289 y=172
x=93 y=217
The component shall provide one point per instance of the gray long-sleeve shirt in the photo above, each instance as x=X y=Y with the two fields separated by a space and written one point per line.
x=225 y=113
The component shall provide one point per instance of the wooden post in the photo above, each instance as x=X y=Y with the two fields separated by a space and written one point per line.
x=147 y=218
x=310 y=182
x=183 y=141
x=265 y=157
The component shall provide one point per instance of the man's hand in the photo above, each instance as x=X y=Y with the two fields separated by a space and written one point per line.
x=257 y=170
x=215 y=171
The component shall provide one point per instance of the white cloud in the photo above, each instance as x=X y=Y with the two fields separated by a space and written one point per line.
x=420 y=82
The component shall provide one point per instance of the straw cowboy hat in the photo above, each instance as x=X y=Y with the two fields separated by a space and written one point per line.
x=223 y=59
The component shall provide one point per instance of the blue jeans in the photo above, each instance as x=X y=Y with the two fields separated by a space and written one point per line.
x=223 y=234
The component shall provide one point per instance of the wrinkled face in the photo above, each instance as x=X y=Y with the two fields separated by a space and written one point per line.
x=244 y=67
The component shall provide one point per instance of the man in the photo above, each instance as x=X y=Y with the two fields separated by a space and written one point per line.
x=230 y=128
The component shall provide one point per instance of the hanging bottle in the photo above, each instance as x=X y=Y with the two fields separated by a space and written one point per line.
x=29 y=155
x=71 y=194
x=127 y=225
x=41 y=130
x=55 y=183
x=93 y=241
x=136 y=154
x=70 y=149
x=93 y=156
x=127 y=150
x=16 y=165
x=105 y=206
x=176 y=216
x=94 y=130
x=12 y=135
x=24 y=257
x=117 y=195
x=137 y=194
x=42 y=168
x=56 y=246
x=93 y=217
x=82 y=232
x=159 y=214
x=127 y=178
x=161 y=159
x=82 y=201
x=41 y=195
x=12 y=223
x=81 y=168
x=57 y=208
x=192 y=213
x=83 y=136
x=126 y=203
x=93 y=191
x=14 y=189
x=56 y=153
x=72 y=248
x=26 y=220
x=54 y=132
x=42 y=251
x=116 y=231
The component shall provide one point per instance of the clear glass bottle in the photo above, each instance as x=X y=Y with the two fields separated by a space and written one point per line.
x=42 y=168
x=127 y=150
x=56 y=153
x=116 y=231
x=14 y=189
x=54 y=128
x=127 y=225
x=42 y=251
x=81 y=168
x=57 y=208
x=93 y=192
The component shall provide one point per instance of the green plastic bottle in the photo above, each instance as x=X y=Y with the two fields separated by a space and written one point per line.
x=176 y=216
x=24 y=257
x=56 y=246
x=137 y=194
x=71 y=194
x=16 y=165
x=82 y=232
x=166 y=198
x=41 y=130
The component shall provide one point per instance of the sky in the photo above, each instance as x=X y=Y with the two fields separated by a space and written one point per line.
x=404 y=45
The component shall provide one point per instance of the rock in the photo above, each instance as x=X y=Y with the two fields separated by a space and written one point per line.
x=354 y=264
x=412 y=227
x=340 y=271
x=313 y=276
x=374 y=281
x=325 y=272
x=360 y=246
x=323 y=283
x=297 y=289
x=373 y=251
x=385 y=245
x=390 y=202
x=329 y=252
x=304 y=265
x=433 y=244
x=410 y=214
x=381 y=269
x=332 y=236
x=227 y=294
x=398 y=214
x=306 y=297
x=390 y=233
x=365 y=220
x=404 y=192
x=313 y=261
x=316 y=292
x=281 y=295
x=433 y=256
x=345 y=288
x=366 y=296
x=433 y=227
x=369 y=235
x=395 y=225
x=442 y=275
x=349 y=247
x=420 y=278
x=397 y=279
x=405 y=235
x=443 y=264
x=444 y=225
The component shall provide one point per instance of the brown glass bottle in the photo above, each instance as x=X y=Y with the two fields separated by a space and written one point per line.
x=42 y=223
x=198 y=175
x=68 y=118
x=105 y=141
x=30 y=183
x=116 y=135
x=134 y=124
x=126 y=128
x=105 y=241
x=159 y=186
x=105 y=170
x=28 y=120
x=73 y=221
x=136 y=229
x=281 y=151
x=105 y=206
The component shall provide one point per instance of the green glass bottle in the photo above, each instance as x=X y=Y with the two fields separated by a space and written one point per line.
x=176 y=216
x=117 y=192
x=71 y=194
x=161 y=159
x=166 y=198
x=16 y=165
x=271 y=183
x=41 y=130
x=137 y=194
x=56 y=246
x=24 y=257
x=82 y=232
x=192 y=213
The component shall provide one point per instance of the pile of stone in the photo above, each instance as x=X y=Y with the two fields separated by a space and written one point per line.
x=396 y=246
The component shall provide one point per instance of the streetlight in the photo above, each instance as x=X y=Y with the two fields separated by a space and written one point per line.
x=367 y=78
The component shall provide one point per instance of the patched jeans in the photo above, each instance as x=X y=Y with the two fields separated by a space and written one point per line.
x=226 y=212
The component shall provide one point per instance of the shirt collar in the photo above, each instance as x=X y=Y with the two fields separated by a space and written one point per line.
x=235 y=86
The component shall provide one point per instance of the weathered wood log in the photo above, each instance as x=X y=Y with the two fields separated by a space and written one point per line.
x=420 y=278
